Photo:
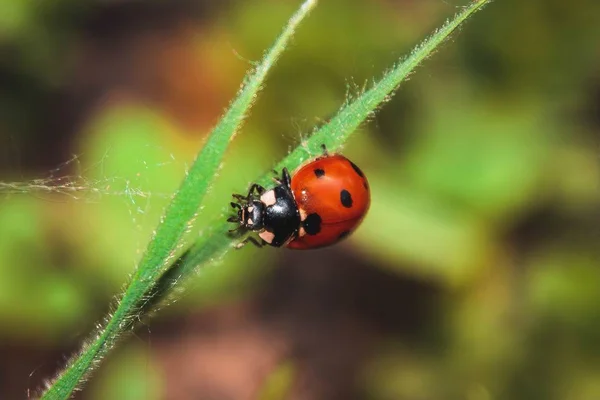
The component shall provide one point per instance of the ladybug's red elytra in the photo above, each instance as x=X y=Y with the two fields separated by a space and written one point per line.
x=320 y=204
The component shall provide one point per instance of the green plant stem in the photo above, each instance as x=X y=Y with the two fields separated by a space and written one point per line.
x=177 y=220
x=214 y=242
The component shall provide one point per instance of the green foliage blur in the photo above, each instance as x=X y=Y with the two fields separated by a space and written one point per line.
x=484 y=169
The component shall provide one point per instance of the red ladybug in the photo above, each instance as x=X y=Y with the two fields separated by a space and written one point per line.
x=320 y=204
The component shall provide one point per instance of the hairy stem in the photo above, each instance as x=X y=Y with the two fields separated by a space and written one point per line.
x=214 y=242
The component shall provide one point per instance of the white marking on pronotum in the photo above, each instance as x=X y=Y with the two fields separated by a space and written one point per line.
x=250 y=222
x=268 y=198
x=250 y=209
x=301 y=232
x=267 y=236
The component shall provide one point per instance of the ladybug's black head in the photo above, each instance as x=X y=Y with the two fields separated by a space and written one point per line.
x=251 y=215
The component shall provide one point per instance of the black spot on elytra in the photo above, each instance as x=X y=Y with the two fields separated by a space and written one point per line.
x=312 y=224
x=346 y=198
x=343 y=235
x=357 y=170
x=319 y=172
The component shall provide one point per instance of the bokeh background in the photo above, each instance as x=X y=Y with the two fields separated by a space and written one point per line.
x=475 y=276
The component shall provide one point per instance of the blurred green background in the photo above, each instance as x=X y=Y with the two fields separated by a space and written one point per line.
x=475 y=276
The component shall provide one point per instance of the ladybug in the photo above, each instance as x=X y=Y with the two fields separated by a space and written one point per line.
x=320 y=204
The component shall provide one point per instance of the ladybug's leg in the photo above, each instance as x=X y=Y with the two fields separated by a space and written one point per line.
x=286 y=179
x=235 y=218
x=255 y=242
x=252 y=240
x=255 y=186
x=248 y=198
x=238 y=197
